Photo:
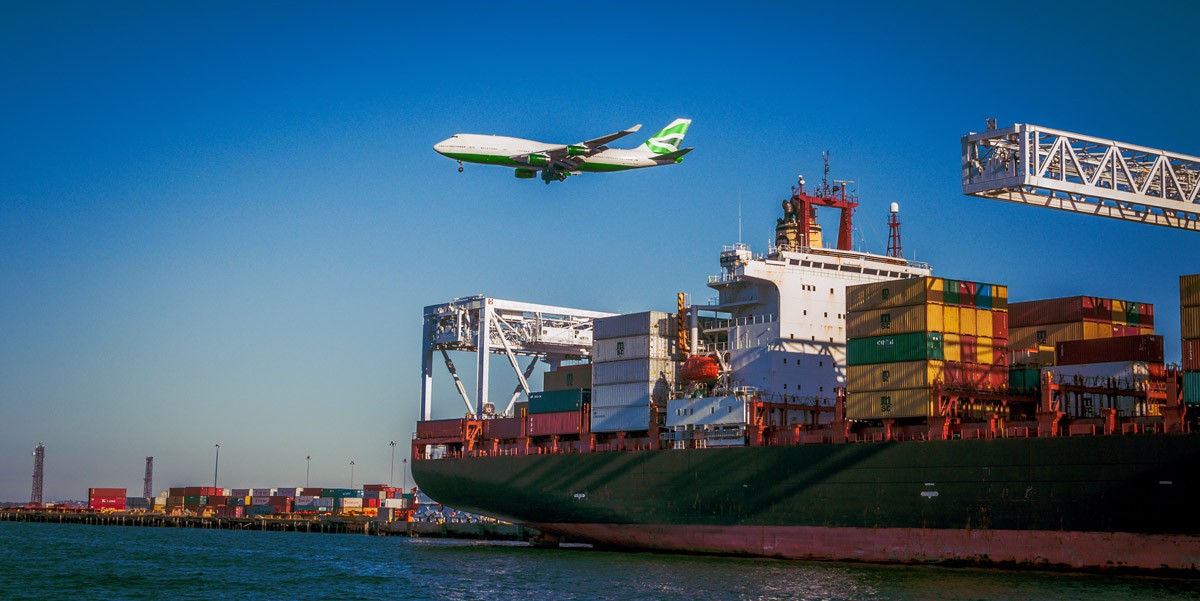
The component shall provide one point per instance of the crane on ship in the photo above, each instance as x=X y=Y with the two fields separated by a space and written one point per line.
x=1055 y=169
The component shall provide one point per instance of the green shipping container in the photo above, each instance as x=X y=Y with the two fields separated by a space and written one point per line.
x=557 y=401
x=917 y=346
x=1191 y=387
x=1024 y=378
x=950 y=292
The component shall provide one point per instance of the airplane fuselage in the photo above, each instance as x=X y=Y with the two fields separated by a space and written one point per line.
x=501 y=150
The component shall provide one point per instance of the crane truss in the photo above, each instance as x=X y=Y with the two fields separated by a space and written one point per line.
x=487 y=326
x=1045 y=167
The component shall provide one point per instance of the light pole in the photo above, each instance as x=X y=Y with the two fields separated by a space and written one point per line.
x=216 y=464
x=351 y=473
x=307 y=469
x=404 y=472
x=392 y=470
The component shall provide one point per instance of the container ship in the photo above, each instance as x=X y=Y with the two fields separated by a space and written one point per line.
x=833 y=404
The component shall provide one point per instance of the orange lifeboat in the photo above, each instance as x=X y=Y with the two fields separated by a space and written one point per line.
x=699 y=368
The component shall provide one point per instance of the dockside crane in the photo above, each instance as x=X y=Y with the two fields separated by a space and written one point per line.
x=1040 y=166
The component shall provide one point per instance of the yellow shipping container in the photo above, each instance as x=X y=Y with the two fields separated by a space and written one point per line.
x=894 y=293
x=894 y=320
x=1190 y=322
x=890 y=404
x=983 y=322
x=1047 y=335
x=1118 y=312
x=1146 y=330
x=966 y=325
x=1094 y=329
x=999 y=297
x=890 y=376
x=952 y=347
x=951 y=319
x=984 y=351
x=1189 y=290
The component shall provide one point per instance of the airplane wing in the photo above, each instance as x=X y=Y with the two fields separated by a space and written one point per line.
x=598 y=143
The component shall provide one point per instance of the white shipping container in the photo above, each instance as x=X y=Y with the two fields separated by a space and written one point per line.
x=633 y=370
x=352 y=502
x=262 y=492
x=706 y=411
x=394 y=503
x=631 y=347
x=620 y=395
x=260 y=500
x=225 y=492
x=621 y=419
x=633 y=324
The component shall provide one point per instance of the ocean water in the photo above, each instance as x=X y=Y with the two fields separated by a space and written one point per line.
x=53 y=561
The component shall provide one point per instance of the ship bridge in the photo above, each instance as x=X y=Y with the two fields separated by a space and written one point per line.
x=487 y=326
x=1039 y=166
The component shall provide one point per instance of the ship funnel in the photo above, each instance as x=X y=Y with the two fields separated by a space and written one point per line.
x=895 y=207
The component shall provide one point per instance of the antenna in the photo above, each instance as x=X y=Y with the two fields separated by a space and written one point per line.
x=39 y=464
x=894 y=248
x=739 y=217
x=148 y=480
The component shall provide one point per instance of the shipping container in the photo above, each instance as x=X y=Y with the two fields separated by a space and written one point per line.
x=1000 y=325
x=1191 y=387
x=970 y=349
x=633 y=370
x=889 y=404
x=348 y=502
x=1107 y=350
x=311 y=491
x=177 y=492
x=633 y=393
x=253 y=510
x=260 y=500
x=217 y=500
x=287 y=492
x=568 y=376
x=562 y=423
x=632 y=418
x=262 y=492
x=918 y=346
x=654 y=323
x=967 y=318
x=239 y=492
x=231 y=512
x=894 y=293
x=556 y=401
x=983 y=323
x=107 y=493
x=894 y=320
x=440 y=428
x=967 y=293
x=1059 y=310
x=632 y=347
x=1024 y=379
x=706 y=411
x=1046 y=335
x=975 y=375
x=1191 y=355
x=891 y=376
x=1190 y=322
x=504 y=428
x=1189 y=290
x=952 y=347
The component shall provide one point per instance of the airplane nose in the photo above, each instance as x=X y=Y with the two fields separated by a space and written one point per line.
x=440 y=147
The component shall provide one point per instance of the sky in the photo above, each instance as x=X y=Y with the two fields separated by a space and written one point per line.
x=219 y=223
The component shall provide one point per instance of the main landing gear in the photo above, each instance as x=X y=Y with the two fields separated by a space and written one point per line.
x=460 y=166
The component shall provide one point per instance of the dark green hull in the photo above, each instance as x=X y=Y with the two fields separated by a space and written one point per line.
x=1138 y=485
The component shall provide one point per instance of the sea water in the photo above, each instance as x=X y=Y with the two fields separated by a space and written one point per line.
x=58 y=561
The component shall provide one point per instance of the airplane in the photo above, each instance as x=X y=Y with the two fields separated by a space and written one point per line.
x=558 y=161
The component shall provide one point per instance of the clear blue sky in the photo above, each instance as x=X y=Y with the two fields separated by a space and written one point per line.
x=220 y=223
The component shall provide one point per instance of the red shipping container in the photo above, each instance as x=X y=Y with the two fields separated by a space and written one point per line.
x=970 y=349
x=1147 y=314
x=380 y=487
x=218 y=500
x=1059 y=310
x=370 y=502
x=230 y=511
x=1119 y=330
x=177 y=492
x=558 y=423
x=210 y=491
x=193 y=491
x=311 y=492
x=106 y=493
x=106 y=503
x=504 y=428
x=1000 y=325
x=440 y=428
x=967 y=293
x=1191 y=355
x=1147 y=348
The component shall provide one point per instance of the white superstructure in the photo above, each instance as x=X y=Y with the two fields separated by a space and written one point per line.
x=787 y=332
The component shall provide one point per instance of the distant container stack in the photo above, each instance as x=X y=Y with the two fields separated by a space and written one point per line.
x=106 y=498
x=632 y=371
x=905 y=336
x=1050 y=321
x=1189 y=321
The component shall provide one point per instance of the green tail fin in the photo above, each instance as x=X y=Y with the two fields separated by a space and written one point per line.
x=669 y=139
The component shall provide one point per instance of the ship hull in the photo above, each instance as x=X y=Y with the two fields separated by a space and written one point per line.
x=1094 y=502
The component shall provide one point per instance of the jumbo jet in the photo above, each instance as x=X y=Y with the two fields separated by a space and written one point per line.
x=557 y=161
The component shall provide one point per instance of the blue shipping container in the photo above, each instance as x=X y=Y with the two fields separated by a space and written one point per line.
x=1191 y=387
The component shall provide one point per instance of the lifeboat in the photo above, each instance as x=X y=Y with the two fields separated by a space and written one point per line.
x=699 y=368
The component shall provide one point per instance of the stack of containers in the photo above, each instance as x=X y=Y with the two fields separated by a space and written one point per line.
x=905 y=335
x=1048 y=322
x=106 y=498
x=557 y=413
x=632 y=371
x=1189 y=303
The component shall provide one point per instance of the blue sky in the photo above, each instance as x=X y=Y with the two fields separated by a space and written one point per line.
x=220 y=223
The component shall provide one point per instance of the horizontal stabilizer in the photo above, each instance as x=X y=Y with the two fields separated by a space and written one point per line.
x=672 y=156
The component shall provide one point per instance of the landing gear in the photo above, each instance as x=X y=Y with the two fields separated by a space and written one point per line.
x=460 y=166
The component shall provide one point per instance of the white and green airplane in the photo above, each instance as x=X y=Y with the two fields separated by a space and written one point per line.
x=557 y=161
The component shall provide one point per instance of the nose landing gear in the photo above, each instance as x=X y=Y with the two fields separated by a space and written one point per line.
x=460 y=167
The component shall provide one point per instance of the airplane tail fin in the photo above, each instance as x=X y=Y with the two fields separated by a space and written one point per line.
x=668 y=140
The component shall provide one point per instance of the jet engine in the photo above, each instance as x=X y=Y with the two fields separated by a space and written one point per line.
x=525 y=173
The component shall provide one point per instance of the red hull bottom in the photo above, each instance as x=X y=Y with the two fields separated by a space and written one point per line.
x=1077 y=550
